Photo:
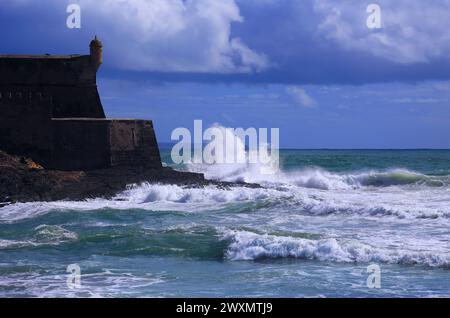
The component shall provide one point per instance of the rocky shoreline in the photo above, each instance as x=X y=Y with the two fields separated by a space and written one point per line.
x=23 y=180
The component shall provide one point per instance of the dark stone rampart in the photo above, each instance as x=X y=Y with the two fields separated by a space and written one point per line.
x=88 y=144
x=50 y=111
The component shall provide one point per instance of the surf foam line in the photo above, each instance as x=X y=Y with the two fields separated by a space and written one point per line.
x=318 y=178
x=381 y=202
x=150 y=197
x=248 y=246
x=42 y=235
x=246 y=170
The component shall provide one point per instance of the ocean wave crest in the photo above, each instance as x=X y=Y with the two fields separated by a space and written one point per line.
x=251 y=246
x=318 y=178
x=430 y=203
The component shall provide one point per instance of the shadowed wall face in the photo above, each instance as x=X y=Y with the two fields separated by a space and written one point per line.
x=25 y=123
x=134 y=142
x=70 y=81
x=87 y=144
x=79 y=145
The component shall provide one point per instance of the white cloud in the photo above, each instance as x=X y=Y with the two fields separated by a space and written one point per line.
x=426 y=101
x=413 y=31
x=442 y=86
x=301 y=97
x=172 y=35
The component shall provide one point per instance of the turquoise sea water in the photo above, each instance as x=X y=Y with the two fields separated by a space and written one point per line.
x=311 y=231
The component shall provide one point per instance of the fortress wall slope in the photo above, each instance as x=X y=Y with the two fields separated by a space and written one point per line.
x=133 y=142
x=25 y=124
x=69 y=80
x=60 y=70
x=77 y=101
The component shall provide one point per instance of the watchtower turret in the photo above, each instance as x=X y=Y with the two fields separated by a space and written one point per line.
x=96 y=48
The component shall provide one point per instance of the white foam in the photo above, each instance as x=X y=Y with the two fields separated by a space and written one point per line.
x=149 y=193
x=251 y=246
x=7 y=244
x=153 y=197
x=317 y=178
x=41 y=235
x=246 y=170
x=106 y=283
x=393 y=201
x=54 y=234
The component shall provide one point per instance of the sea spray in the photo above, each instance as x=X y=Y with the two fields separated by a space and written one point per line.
x=225 y=150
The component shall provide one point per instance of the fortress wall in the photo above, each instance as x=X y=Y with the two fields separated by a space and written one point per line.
x=50 y=110
x=79 y=144
x=75 y=102
x=133 y=142
x=87 y=144
x=25 y=123
x=69 y=81
x=47 y=70
x=62 y=101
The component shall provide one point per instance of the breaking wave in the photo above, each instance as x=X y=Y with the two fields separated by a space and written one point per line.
x=318 y=178
x=42 y=235
x=269 y=173
x=416 y=202
x=251 y=246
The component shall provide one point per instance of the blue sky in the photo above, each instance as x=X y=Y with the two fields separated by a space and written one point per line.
x=309 y=67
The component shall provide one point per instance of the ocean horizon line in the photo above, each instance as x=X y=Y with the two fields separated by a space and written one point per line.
x=164 y=145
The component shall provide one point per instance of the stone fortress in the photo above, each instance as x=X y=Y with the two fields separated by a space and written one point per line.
x=50 y=111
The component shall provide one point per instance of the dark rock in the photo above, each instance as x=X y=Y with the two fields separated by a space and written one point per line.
x=23 y=180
